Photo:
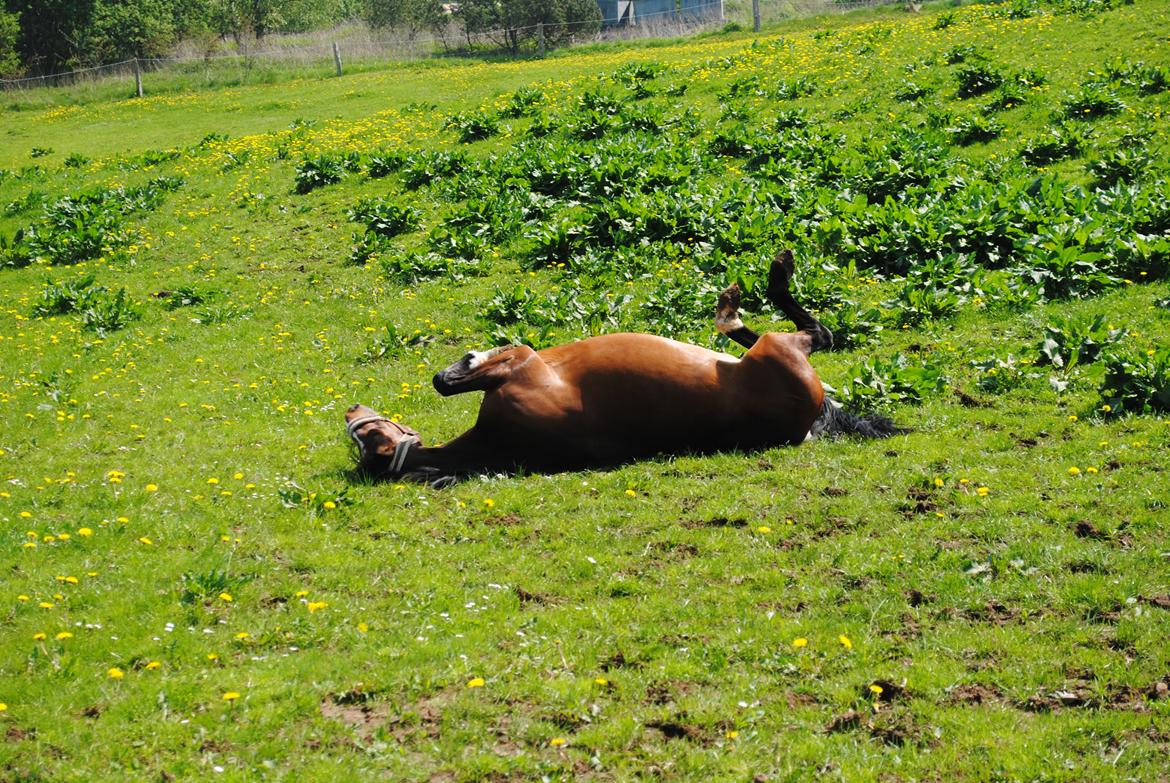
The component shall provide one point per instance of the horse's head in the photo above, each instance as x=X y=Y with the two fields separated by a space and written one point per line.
x=382 y=444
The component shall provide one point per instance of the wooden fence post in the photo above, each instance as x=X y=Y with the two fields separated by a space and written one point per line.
x=137 y=77
x=540 y=39
x=756 y=15
x=337 y=57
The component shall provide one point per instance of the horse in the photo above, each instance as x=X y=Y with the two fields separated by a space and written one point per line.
x=618 y=397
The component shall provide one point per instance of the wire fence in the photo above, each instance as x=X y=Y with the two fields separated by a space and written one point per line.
x=356 y=43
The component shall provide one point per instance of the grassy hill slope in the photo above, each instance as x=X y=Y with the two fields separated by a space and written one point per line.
x=196 y=285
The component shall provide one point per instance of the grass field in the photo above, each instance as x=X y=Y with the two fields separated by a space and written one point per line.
x=197 y=284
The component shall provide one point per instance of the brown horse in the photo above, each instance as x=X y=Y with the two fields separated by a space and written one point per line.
x=617 y=397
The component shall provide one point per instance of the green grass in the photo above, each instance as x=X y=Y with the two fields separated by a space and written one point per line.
x=185 y=479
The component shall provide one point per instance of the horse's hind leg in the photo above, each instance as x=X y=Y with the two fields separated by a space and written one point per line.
x=727 y=319
x=783 y=267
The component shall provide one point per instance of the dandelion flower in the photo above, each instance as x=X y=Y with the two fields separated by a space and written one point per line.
x=557 y=742
x=243 y=635
x=631 y=493
x=213 y=481
x=982 y=492
x=799 y=642
x=231 y=696
x=876 y=689
x=763 y=529
x=152 y=487
x=363 y=628
x=39 y=637
x=329 y=504
x=732 y=734
x=845 y=641
x=475 y=682
x=1074 y=471
x=115 y=673
x=64 y=635
x=315 y=605
x=153 y=665
x=488 y=502
x=85 y=532
x=226 y=597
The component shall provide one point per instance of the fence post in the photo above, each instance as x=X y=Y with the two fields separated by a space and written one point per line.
x=137 y=77
x=756 y=15
x=337 y=57
x=540 y=39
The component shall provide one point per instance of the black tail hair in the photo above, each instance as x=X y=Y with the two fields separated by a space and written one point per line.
x=836 y=421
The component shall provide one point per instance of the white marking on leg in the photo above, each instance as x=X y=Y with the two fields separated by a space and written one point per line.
x=726 y=324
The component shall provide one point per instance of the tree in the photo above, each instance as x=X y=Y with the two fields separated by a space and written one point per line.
x=514 y=22
x=50 y=31
x=122 y=29
x=9 y=34
x=409 y=15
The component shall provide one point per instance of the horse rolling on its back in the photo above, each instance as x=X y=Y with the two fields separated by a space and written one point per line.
x=617 y=397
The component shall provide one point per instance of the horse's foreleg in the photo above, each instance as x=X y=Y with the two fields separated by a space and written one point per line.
x=439 y=466
x=783 y=267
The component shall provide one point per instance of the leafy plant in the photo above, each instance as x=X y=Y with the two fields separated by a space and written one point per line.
x=105 y=312
x=1094 y=100
x=473 y=126
x=973 y=129
x=1060 y=142
x=524 y=102
x=1068 y=342
x=977 y=79
x=1137 y=383
x=880 y=384
x=313 y=173
x=385 y=218
x=1000 y=375
x=66 y=297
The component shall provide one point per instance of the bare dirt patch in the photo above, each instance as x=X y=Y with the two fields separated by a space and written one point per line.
x=974 y=693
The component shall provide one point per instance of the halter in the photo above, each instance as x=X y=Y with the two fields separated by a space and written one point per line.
x=400 y=450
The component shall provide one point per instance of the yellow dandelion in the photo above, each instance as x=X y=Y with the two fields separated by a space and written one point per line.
x=153 y=665
x=732 y=734
x=64 y=635
x=1074 y=471
x=1090 y=469
x=329 y=504
x=316 y=605
x=982 y=492
x=85 y=532
x=763 y=529
x=475 y=682
x=601 y=681
x=226 y=597
x=152 y=487
x=114 y=673
x=231 y=696
x=363 y=628
x=145 y=540
x=212 y=656
x=799 y=642
x=876 y=689
x=488 y=502
x=39 y=637
x=243 y=635
x=631 y=493
x=845 y=641
x=557 y=742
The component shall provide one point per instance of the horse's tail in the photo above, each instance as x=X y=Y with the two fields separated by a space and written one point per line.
x=836 y=421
